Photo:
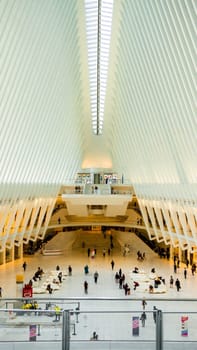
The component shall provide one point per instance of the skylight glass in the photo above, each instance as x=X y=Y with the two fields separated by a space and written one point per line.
x=98 y=27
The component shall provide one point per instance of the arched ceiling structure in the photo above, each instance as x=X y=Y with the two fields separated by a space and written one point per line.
x=149 y=129
x=152 y=100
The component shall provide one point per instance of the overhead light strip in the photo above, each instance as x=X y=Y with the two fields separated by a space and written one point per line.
x=98 y=27
x=98 y=66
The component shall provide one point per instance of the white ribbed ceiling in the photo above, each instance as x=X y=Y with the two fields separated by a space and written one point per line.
x=42 y=119
x=150 y=124
x=152 y=97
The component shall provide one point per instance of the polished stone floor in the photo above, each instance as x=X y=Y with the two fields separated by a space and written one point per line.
x=105 y=309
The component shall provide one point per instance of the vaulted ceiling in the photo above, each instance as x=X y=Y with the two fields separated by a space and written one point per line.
x=149 y=113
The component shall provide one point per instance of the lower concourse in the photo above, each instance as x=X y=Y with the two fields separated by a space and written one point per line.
x=114 y=330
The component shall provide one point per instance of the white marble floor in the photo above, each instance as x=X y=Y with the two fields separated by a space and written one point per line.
x=115 y=326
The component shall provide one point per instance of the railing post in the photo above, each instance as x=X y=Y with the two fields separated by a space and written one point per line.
x=159 y=330
x=66 y=330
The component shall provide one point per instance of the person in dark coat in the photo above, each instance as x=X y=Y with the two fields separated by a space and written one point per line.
x=24 y=266
x=120 y=282
x=96 y=276
x=171 y=281
x=86 y=269
x=154 y=313
x=178 y=285
x=112 y=264
x=86 y=287
x=60 y=277
x=144 y=303
x=70 y=270
x=143 y=318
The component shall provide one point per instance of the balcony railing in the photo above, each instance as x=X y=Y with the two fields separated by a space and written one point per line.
x=99 y=189
x=98 y=323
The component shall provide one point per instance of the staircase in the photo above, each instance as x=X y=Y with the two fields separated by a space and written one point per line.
x=131 y=239
x=94 y=240
x=62 y=241
x=75 y=240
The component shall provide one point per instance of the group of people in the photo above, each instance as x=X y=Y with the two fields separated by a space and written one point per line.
x=163 y=253
x=96 y=276
x=56 y=280
x=119 y=276
x=30 y=305
x=92 y=252
x=177 y=266
x=120 y=279
x=143 y=316
x=177 y=283
x=59 y=277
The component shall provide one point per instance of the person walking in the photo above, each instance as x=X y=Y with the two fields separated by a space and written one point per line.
x=120 y=282
x=57 y=313
x=24 y=266
x=185 y=272
x=178 y=263
x=178 y=285
x=86 y=287
x=60 y=277
x=154 y=313
x=193 y=269
x=126 y=288
x=96 y=276
x=70 y=270
x=144 y=303
x=175 y=268
x=171 y=281
x=112 y=264
x=92 y=253
x=143 y=318
x=86 y=269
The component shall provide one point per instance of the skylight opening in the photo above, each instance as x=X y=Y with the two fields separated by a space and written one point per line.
x=98 y=28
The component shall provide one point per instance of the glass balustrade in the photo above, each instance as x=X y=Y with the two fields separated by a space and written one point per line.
x=111 y=324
